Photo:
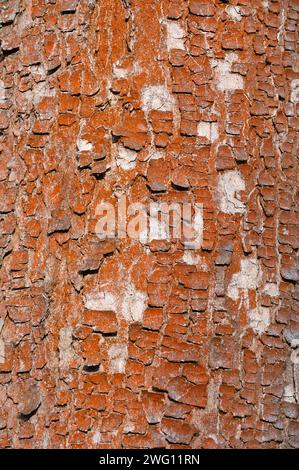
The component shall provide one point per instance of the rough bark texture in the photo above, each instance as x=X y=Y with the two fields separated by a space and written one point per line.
x=123 y=344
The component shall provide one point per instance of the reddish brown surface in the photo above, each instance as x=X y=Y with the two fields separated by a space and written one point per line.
x=195 y=349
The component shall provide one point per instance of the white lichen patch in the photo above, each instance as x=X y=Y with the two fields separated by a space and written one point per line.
x=208 y=130
x=225 y=79
x=295 y=91
x=259 y=319
x=156 y=155
x=103 y=301
x=229 y=185
x=175 y=36
x=126 y=158
x=247 y=278
x=65 y=346
x=123 y=72
x=289 y=393
x=2 y=92
x=84 y=146
x=118 y=355
x=96 y=437
x=234 y=12
x=156 y=97
x=123 y=298
x=189 y=257
x=271 y=289
x=119 y=72
x=40 y=90
x=133 y=303
x=291 y=390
